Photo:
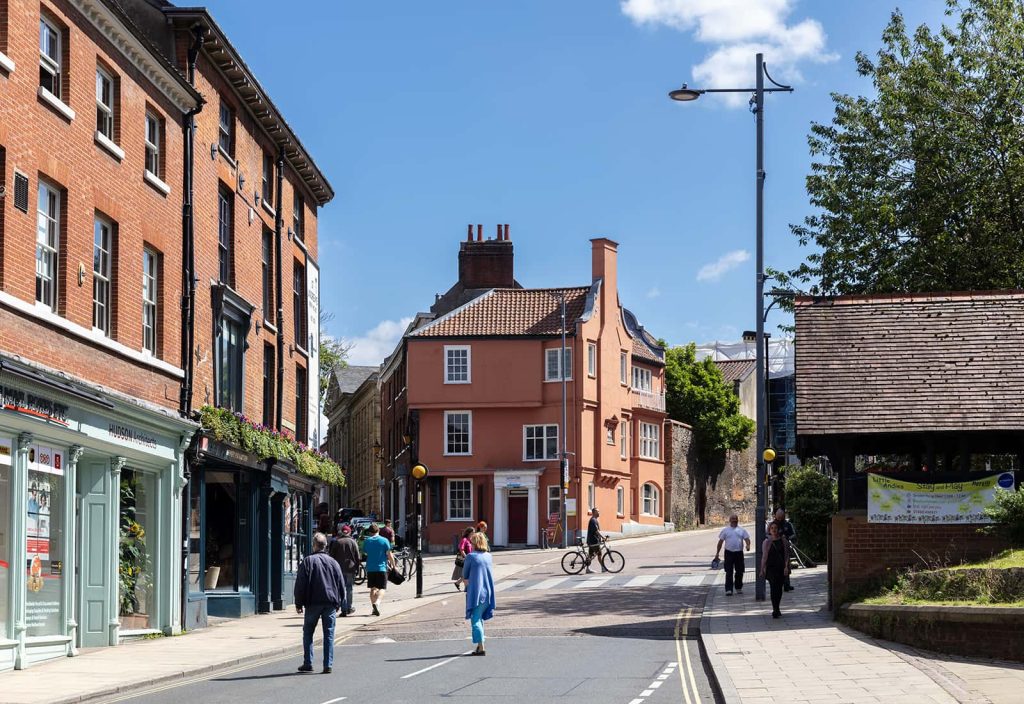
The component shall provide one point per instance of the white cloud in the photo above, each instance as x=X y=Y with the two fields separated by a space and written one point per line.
x=725 y=263
x=377 y=343
x=654 y=292
x=737 y=30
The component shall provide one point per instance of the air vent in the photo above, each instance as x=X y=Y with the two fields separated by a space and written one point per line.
x=21 y=192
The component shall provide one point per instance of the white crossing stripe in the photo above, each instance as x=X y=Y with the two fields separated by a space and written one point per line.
x=592 y=582
x=642 y=580
x=507 y=584
x=655 y=685
x=690 y=580
x=548 y=583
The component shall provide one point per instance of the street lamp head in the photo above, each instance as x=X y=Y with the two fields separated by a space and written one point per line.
x=684 y=94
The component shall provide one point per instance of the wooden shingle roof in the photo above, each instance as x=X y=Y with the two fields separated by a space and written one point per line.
x=910 y=363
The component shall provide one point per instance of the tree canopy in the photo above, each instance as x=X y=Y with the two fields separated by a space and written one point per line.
x=696 y=394
x=920 y=188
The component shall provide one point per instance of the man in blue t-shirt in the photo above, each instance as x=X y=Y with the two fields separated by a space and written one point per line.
x=378 y=560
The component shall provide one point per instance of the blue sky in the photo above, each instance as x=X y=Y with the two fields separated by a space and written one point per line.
x=552 y=116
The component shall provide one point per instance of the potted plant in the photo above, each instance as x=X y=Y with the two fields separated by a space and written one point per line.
x=133 y=560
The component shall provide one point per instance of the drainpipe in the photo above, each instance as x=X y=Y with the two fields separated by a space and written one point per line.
x=278 y=227
x=188 y=305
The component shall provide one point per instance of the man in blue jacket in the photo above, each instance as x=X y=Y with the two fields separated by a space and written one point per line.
x=320 y=591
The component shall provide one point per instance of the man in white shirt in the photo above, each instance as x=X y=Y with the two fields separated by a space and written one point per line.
x=733 y=537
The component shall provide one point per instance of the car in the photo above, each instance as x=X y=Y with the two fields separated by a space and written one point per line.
x=344 y=515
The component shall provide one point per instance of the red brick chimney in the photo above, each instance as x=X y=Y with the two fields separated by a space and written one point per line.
x=604 y=255
x=486 y=263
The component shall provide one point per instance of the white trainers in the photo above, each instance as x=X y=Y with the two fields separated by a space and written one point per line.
x=728 y=592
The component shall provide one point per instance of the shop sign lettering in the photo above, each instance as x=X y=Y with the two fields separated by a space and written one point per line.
x=123 y=432
x=30 y=404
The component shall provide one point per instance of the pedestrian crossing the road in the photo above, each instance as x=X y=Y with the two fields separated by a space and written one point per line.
x=605 y=582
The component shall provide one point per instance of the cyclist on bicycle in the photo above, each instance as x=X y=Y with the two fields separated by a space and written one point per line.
x=594 y=539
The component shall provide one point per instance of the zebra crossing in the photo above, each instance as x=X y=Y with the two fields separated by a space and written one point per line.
x=605 y=581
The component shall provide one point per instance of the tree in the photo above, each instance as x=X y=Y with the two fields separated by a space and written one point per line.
x=921 y=187
x=697 y=395
x=810 y=503
x=333 y=354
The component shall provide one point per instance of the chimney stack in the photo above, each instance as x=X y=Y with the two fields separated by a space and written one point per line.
x=479 y=233
x=486 y=263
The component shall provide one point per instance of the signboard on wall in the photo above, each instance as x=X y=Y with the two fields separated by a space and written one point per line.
x=896 y=501
x=570 y=507
x=313 y=347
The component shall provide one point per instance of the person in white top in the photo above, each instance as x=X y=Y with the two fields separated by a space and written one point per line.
x=733 y=537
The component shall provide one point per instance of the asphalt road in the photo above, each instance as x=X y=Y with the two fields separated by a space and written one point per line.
x=629 y=638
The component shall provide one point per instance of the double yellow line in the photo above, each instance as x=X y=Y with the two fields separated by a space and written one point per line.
x=689 y=684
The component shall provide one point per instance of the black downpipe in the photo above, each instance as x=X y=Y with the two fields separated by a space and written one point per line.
x=279 y=298
x=188 y=306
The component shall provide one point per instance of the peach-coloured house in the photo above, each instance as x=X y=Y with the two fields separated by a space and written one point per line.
x=484 y=381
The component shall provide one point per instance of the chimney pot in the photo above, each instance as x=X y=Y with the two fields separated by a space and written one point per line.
x=479 y=233
x=506 y=232
x=469 y=234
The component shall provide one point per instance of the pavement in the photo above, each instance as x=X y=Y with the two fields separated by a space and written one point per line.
x=805 y=656
x=102 y=673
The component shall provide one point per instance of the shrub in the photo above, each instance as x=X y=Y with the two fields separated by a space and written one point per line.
x=810 y=503
x=1008 y=514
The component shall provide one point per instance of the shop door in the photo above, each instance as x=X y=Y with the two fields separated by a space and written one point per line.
x=94 y=554
x=518 y=506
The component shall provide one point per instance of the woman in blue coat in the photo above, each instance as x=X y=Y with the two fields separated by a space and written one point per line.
x=478 y=575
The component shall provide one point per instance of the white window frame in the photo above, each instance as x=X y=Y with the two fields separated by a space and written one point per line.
x=102 y=269
x=623 y=439
x=267 y=181
x=226 y=131
x=553 y=354
x=643 y=379
x=652 y=501
x=591 y=496
x=48 y=244
x=150 y=299
x=620 y=500
x=152 y=143
x=469 y=434
x=105 y=121
x=609 y=435
x=554 y=495
x=650 y=441
x=449 y=516
x=591 y=359
x=52 y=65
x=449 y=378
x=623 y=368
x=543 y=439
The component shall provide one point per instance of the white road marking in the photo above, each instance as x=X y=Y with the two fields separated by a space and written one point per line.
x=592 y=582
x=436 y=664
x=637 y=701
x=507 y=584
x=547 y=583
x=647 y=693
x=385 y=639
x=663 y=677
x=642 y=580
x=332 y=701
x=690 y=580
x=655 y=685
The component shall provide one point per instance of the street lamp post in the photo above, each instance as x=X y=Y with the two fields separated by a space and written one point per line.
x=685 y=94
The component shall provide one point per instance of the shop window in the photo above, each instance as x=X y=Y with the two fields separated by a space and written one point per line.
x=296 y=534
x=5 y=537
x=228 y=551
x=137 y=549
x=195 y=544
x=44 y=612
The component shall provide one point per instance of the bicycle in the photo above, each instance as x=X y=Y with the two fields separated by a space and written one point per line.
x=360 y=574
x=407 y=558
x=574 y=561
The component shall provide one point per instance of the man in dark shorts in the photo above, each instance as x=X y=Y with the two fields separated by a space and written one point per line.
x=378 y=559
x=594 y=539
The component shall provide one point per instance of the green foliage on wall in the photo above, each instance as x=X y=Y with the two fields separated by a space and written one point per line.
x=810 y=503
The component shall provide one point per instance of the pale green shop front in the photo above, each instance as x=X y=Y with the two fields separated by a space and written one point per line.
x=90 y=517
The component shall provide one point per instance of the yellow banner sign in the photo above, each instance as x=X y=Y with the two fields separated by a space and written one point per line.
x=895 y=501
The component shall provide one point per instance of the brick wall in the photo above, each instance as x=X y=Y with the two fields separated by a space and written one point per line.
x=39 y=142
x=863 y=554
x=697 y=499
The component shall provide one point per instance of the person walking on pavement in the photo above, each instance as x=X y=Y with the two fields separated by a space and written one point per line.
x=775 y=564
x=479 y=576
x=345 y=550
x=594 y=539
x=378 y=560
x=320 y=592
x=465 y=547
x=787 y=531
x=388 y=532
x=733 y=537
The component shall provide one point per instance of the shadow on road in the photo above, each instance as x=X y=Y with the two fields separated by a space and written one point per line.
x=273 y=676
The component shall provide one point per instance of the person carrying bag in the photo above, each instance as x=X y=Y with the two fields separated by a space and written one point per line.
x=465 y=547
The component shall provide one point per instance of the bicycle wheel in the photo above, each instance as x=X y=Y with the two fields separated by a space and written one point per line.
x=360 y=575
x=573 y=562
x=613 y=560
x=411 y=566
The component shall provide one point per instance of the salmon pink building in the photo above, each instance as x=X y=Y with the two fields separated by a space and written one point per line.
x=484 y=383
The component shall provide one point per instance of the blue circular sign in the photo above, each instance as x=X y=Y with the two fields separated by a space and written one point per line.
x=1005 y=480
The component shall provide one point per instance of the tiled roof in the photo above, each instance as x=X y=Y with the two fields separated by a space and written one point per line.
x=735 y=369
x=910 y=363
x=507 y=312
x=644 y=352
x=645 y=346
x=352 y=377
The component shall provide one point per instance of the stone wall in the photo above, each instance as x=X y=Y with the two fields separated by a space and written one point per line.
x=694 y=500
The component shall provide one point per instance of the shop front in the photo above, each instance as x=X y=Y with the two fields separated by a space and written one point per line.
x=249 y=526
x=90 y=494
